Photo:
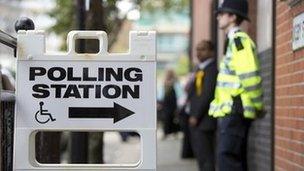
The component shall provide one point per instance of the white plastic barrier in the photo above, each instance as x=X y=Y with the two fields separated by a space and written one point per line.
x=85 y=92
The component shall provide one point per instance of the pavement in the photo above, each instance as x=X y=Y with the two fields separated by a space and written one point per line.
x=168 y=152
x=168 y=156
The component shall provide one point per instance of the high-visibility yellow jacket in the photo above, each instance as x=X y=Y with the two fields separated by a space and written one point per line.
x=239 y=75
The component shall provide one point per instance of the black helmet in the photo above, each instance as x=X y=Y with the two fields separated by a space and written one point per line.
x=238 y=7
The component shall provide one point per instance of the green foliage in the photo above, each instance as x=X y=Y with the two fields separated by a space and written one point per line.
x=64 y=14
x=104 y=15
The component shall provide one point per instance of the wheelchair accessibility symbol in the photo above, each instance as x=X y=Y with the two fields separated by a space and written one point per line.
x=42 y=116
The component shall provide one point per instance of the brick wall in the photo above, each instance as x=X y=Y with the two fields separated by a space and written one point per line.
x=252 y=13
x=260 y=135
x=201 y=26
x=289 y=87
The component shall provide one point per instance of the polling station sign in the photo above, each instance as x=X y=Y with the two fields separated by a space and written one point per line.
x=85 y=92
x=97 y=94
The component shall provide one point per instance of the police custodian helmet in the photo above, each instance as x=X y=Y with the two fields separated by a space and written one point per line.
x=238 y=7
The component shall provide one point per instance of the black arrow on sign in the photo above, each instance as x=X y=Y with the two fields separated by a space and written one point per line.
x=117 y=112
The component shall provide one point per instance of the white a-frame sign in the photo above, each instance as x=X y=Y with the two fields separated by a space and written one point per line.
x=85 y=92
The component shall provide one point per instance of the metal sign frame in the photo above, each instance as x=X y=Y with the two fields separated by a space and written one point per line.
x=38 y=108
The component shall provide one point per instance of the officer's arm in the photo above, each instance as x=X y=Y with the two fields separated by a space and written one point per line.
x=247 y=67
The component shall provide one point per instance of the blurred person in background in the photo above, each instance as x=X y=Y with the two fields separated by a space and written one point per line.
x=183 y=113
x=168 y=105
x=238 y=95
x=201 y=93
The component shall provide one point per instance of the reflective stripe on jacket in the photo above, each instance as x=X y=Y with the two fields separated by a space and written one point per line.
x=239 y=74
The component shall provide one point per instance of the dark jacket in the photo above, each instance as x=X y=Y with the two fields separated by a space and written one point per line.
x=199 y=105
x=169 y=109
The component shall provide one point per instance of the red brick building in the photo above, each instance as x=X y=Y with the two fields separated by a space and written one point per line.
x=276 y=142
x=289 y=88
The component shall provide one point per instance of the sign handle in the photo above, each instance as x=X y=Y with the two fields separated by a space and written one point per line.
x=100 y=35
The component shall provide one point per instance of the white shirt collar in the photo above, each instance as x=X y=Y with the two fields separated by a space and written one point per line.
x=204 y=64
x=232 y=31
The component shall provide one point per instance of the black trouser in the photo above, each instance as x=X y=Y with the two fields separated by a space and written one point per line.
x=186 y=151
x=232 y=146
x=203 y=145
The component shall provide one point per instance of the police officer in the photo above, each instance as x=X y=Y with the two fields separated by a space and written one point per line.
x=238 y=94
